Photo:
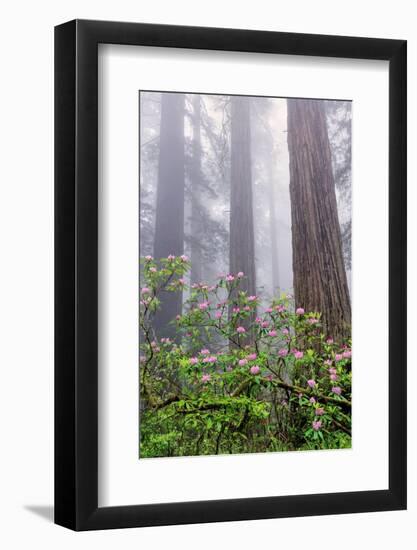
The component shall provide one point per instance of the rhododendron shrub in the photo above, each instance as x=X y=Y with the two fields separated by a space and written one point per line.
x=237 y=377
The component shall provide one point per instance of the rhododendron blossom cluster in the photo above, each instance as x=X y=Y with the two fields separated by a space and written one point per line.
x=234 y=372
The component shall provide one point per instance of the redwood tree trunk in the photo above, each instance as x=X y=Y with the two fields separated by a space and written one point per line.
x=169 y=221
x=196 y=255
x=242 y=246
x=320 y=282
x=272 y=182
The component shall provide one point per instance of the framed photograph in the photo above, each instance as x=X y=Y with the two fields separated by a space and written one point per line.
x=230 y=253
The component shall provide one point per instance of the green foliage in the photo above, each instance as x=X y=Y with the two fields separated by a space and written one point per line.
x=235 y=380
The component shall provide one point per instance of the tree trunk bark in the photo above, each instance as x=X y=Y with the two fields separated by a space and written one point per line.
x=169 y=222
x=196 y=255
x=242 y=246
x=320 y=282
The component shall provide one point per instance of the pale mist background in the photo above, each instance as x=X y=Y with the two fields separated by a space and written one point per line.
x=270 y=183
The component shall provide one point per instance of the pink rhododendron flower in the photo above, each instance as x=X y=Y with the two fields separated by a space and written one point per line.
x=265 y=324
x=337 y=390
x=312 y=321
x=269 y=310
x=283 y=352
x=145 y=290
x=258 y=320
x=246 y=308
x=347 y=354
x=240 y=330
x=312 y=400
x=240 y=274
x=148 y=258
x=329 y=341
x=184 y=258
x=319 y=411
x=328 y=362
x=211 y=359
x=272 y=333
x=316 y=424
x=252 y=298
x=205 y=378
x=229 y=368
x=298 y=354
x=280 y=308
x=153 y=269
x=181 y=281
x=218 y=315
x=285 y=331
x=269 y=377
x=243 y=362
x=299 y=311
x=171 y=257
x=255 y=369
x=203 y=306
x=236 y=309
x=205 y=351
x=332 y=370
x=252 y=357
x=311 y=383
x=338 y=357
x=193 y=360
x=165 y=340
x=333 y=377
x=230 y=278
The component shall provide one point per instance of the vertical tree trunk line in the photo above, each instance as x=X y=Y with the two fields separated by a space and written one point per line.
x=196 y=254
x=273 y=228
x=242 y=244
x=169 y=220
x=320 y=282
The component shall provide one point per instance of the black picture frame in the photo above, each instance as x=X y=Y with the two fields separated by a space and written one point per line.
x=76 y=272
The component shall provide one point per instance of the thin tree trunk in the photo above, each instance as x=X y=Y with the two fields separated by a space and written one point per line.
x=320 y=282
x=196 y=255
x=273 y=230
x=169 y=222
x=242 y=246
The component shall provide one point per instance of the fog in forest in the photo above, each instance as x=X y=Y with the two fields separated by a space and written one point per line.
x=191 y=150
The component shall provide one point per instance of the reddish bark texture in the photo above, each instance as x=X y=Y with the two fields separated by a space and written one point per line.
x=320 y=282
